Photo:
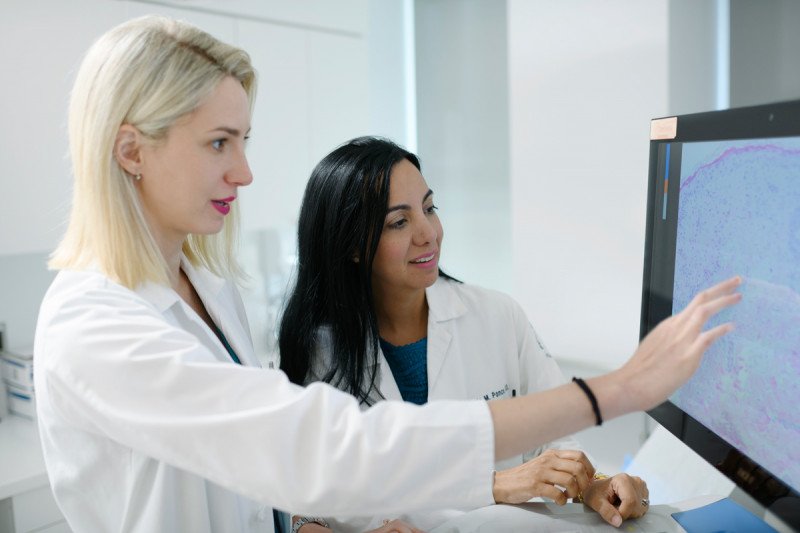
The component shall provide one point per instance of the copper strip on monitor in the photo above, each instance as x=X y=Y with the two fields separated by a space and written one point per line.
x=663 y=128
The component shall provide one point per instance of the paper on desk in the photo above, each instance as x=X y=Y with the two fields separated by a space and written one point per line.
x=551 y=518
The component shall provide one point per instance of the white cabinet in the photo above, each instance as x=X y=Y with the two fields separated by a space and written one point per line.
x=26 y=502
x=312 y=96
x=221 y=27
x=339 y=81
x=60 y=527
x=43 y=43
x=279 y=147
x=36 y=511
x=344 y=16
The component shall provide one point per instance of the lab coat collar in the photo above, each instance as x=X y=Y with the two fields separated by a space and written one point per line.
x=161 y=296
x=208 y=287
x=444 y=302
x=202 y=278
x=164 y=297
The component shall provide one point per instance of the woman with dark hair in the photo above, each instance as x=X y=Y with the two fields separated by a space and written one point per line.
x=341 y=223
x=373 y=314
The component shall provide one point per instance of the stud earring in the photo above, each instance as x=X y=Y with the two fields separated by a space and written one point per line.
x=138 y=177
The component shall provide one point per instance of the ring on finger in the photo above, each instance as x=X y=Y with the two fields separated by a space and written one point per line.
x=645 y=502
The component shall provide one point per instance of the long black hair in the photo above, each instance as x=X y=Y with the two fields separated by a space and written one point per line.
x=341 y=220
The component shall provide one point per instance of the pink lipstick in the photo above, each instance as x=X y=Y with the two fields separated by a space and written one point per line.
x=223 y=205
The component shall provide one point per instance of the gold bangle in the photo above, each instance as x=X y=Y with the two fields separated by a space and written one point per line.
x=597 y=476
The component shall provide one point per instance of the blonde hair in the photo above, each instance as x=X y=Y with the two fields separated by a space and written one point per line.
x=148 y=73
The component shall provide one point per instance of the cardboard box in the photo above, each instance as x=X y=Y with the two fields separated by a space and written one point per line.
x=16 y=369
x=3 y=400
x=21 y=402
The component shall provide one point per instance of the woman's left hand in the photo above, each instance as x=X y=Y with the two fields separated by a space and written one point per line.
x=618 y=498
x=395 y=526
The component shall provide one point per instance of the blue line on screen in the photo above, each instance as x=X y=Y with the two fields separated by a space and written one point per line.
x=666 y=182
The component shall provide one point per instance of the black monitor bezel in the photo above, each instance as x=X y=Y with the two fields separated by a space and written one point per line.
x=772 y=120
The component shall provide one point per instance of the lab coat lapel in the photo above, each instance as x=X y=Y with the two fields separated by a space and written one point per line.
x=439 y=336
x=444 y=306
x=223 y=312
x=388 y=386
x=168 y=303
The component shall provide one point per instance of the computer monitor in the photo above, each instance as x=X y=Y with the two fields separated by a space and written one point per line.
x=724 y=199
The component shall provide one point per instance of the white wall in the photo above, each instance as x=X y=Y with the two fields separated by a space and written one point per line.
x=764 y=46
x=699 y=56
x=585 y=77
x=462 y=116
x=391 y=76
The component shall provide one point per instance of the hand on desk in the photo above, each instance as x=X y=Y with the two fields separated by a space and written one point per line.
x=615 y=499
x=618 y=498
x=395 y=526
x=539 y=476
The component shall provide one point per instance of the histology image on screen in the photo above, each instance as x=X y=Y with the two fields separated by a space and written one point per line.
x=739 y=213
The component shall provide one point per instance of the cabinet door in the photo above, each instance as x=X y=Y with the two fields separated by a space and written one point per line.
x=43 y=44
x=60 y=527
x=278 y=149
x=220 y=26
x=313 y=95
x=342 y=15
x=35 y=509
x=339 y=84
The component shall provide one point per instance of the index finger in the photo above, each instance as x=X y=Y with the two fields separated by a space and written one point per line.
x=579 y=456
x=712 y=293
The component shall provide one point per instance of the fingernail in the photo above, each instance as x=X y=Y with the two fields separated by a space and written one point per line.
x=616 y=521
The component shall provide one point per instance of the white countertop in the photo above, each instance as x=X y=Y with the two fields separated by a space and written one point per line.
x=21 y=464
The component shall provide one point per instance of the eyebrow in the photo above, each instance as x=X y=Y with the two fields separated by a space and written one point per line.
x=230 y=131
x=406 y=207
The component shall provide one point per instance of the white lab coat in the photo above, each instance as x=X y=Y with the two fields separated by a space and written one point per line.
x=148 y=426
x=480 y=346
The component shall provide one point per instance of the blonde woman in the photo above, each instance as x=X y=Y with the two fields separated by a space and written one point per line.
x=153 y=413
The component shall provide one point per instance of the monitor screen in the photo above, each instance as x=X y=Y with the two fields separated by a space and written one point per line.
x=724 y=199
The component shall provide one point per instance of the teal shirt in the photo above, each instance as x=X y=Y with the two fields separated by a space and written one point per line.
x=409 y=365
x=227 y=345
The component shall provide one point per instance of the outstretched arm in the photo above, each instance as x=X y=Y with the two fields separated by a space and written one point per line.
x=664 y=360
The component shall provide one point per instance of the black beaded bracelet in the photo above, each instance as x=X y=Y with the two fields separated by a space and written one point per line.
x=582 y=384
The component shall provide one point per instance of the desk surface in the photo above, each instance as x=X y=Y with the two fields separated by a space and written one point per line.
x=572 y=517
x=21 y=463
